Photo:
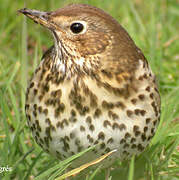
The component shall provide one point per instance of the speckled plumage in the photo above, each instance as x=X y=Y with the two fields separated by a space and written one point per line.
x=91 y=88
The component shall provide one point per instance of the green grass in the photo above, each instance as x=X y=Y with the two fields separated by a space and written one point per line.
x=154 y=27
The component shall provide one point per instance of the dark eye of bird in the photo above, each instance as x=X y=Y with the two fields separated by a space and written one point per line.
x=76 y=28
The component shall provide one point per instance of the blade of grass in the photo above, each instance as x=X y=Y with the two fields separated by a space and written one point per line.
x=32 y=165
x=23 y=64
x=7 y=142
x=151 y=172
x=94 y=173
x=131 y=168
x=58 y=172
x=61 y=164
x=82 y=167
x=137 y=16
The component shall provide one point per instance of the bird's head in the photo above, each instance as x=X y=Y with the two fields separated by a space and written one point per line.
x=85 y=31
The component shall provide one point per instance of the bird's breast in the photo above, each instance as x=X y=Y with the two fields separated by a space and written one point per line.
x=112 y=110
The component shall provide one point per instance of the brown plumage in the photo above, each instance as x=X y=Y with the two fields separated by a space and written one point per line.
x=94 y=86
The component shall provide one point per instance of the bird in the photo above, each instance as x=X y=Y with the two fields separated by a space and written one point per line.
x=93 y=87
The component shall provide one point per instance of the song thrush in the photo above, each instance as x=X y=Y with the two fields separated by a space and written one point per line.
x=94 y=86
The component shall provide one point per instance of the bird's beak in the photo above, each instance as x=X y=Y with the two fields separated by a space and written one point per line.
x=40 y=17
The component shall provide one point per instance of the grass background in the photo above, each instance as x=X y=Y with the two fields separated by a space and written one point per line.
x=154 y=26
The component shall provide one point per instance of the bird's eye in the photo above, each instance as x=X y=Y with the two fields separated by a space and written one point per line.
x=77 y=27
